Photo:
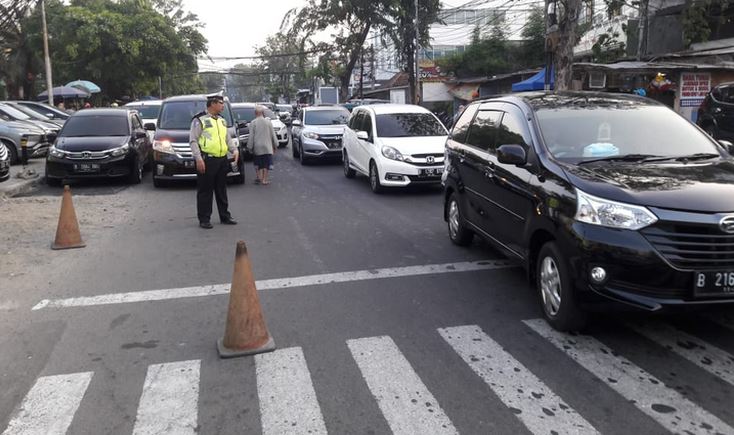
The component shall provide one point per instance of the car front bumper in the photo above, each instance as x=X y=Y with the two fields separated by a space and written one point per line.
x=109 y=167
x=394 y=173
x=171 y=167
x=315 y=149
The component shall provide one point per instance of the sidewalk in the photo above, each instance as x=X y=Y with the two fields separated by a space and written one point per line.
x=15 y=186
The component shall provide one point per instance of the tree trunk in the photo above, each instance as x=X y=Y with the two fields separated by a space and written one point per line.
x=566 y=41
x=353 y=56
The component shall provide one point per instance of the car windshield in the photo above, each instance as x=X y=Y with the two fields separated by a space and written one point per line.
x=45 y=110
x=13 y=113
x=326 y=117
x=96 y=125
x=177 y=115
x=270 y=114
x=409 y=124
x=246 y=114
x=148 y=112
x=284 y=108
x=593 y=131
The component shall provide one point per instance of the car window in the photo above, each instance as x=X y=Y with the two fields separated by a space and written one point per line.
x=367 y=124
x=483 y=131
x=512 y=131
x=355 y=122
x=45 y=110
x=96 y=125
x=409 y=124
x=14 y=113
x=137 y=125
x=326 y=117
x=148 y=112
x=245 y=114
x=595 y=131
x=177 y=115
x=458 y=133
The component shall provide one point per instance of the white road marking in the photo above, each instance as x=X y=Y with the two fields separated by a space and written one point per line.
x=666 y=406
x=406 y=403
x=272 y=284
x=169 y=403
x=50 y=405
x=536 y=405
x=288 y=403
x=708 y=357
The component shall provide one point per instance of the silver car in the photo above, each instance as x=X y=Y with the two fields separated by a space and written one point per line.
x=13 y=134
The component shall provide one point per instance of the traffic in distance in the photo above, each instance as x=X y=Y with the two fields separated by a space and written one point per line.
x=608 y=201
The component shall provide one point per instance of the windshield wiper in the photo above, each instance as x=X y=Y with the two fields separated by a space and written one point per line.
x=624 y=158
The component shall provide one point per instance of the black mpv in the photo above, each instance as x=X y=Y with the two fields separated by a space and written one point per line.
x=604 y=198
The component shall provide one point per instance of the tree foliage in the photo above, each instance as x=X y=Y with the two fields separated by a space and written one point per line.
x=123 y=46
x=699 y=18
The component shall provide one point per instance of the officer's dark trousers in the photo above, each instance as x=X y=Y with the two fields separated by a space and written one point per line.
x=212 y=181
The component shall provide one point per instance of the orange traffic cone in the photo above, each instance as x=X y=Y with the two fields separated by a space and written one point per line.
x=246 y=332
x=67 y=232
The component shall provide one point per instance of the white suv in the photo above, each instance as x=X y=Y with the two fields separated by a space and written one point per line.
x=396 y=145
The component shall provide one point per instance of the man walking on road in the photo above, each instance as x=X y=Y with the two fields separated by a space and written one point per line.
x=263 y=144
x=209 y=146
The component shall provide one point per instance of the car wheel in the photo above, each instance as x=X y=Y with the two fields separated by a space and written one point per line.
x=14 y=156
x=375 y=184
x=301 y=157
x=240 y=179
x=348 y=172
x=458 y=233
x=136 y=172
x=148 y=166
x=555 y=291
x=294 y=150
x=157 y=182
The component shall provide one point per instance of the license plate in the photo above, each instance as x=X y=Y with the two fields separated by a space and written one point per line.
x=189 y=164
x=714 y=283
x=86 y=167
x=432 y=172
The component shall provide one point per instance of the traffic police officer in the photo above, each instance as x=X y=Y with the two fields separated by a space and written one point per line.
x=209 y=146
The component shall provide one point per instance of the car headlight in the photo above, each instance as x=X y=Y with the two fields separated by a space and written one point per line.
x=55 y=152
x=392 y=154
x=163 y=146
x=311 y=135
x=120 y=151
x=612 y=214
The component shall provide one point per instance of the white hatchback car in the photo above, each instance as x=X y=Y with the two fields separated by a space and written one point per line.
x=395 y=145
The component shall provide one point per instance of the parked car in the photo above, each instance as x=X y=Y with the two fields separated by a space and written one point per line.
x=11 y=113
x=606 y=200
x=97 y=143
x=147 y=109
x=16 y=133
x=44 y=109
x=284 y=112
x=716 y=114
x=4 y=163
x=35 y=115
x=171 y=149
x=394 y=145
x=355 y=102
x=318 y=132
x=245 y=112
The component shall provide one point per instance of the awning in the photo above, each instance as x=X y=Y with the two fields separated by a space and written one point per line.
x=534 y=83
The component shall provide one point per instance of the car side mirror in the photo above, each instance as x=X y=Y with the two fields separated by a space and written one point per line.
x=728 y=146
x=297 y=123
x=363 y=135
x=512 y=155
x=150 y=126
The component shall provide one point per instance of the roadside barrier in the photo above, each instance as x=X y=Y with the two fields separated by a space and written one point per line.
x=67 y=232
x=246 y=332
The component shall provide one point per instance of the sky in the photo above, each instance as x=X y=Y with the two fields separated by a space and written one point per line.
x=236 y=27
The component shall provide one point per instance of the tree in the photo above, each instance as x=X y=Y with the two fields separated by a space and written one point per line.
x=533 y=46
x=283 y=61
x=564 y=40
x=486 y=56
x=699 y=18
x=19 y=64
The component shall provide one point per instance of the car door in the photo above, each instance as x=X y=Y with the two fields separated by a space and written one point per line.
x=478 y=169
x=354 y=148
x=723 y=112
x=509 y=188
x=139 y=137
x=367 y=148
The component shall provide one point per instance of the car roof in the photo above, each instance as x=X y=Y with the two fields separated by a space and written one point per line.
x=145 y=103
x=192 y=97
x=120 y=111
x=320 y=108
x=244 y=105
x=558 y=99
x=387 y=108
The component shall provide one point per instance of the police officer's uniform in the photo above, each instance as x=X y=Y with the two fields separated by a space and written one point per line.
x=209 y=140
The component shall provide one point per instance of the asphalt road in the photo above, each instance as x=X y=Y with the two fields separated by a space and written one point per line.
x=412 y=343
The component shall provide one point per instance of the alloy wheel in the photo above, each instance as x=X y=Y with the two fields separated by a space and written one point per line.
x=550 y=286
x=454 y=219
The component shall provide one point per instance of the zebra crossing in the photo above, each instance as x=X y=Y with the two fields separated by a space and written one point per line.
x=288 y=403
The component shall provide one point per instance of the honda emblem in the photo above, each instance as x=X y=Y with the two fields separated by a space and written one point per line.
x=430 y=159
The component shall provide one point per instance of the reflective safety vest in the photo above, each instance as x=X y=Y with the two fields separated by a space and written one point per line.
x=213 y=138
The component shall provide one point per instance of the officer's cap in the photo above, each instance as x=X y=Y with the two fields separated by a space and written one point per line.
x=215 y=97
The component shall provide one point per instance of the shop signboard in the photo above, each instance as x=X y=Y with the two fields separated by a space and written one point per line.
x=693 y=89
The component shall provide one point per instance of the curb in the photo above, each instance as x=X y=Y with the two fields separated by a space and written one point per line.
x=19 y=187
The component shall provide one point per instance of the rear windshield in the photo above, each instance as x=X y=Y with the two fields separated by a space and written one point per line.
x=96 y=125
x=177 y=115
x=409 y=124
x=326 y=117
x=148 y=112
x=575 y=134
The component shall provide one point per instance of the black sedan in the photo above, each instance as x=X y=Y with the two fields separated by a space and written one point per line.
x=98 y=143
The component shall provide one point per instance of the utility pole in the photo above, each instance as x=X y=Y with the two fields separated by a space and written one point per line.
x=642 y=29
x=416 y=91
x=160 y=87
x=361 y=72
x=46 y=57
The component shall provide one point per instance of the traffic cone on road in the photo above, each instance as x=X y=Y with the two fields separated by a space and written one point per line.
x=246 y=332
x=67 y=232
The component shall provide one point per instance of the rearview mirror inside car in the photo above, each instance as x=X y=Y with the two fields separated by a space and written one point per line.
x=150 y=126
x=363 y=135
x=512 y=155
